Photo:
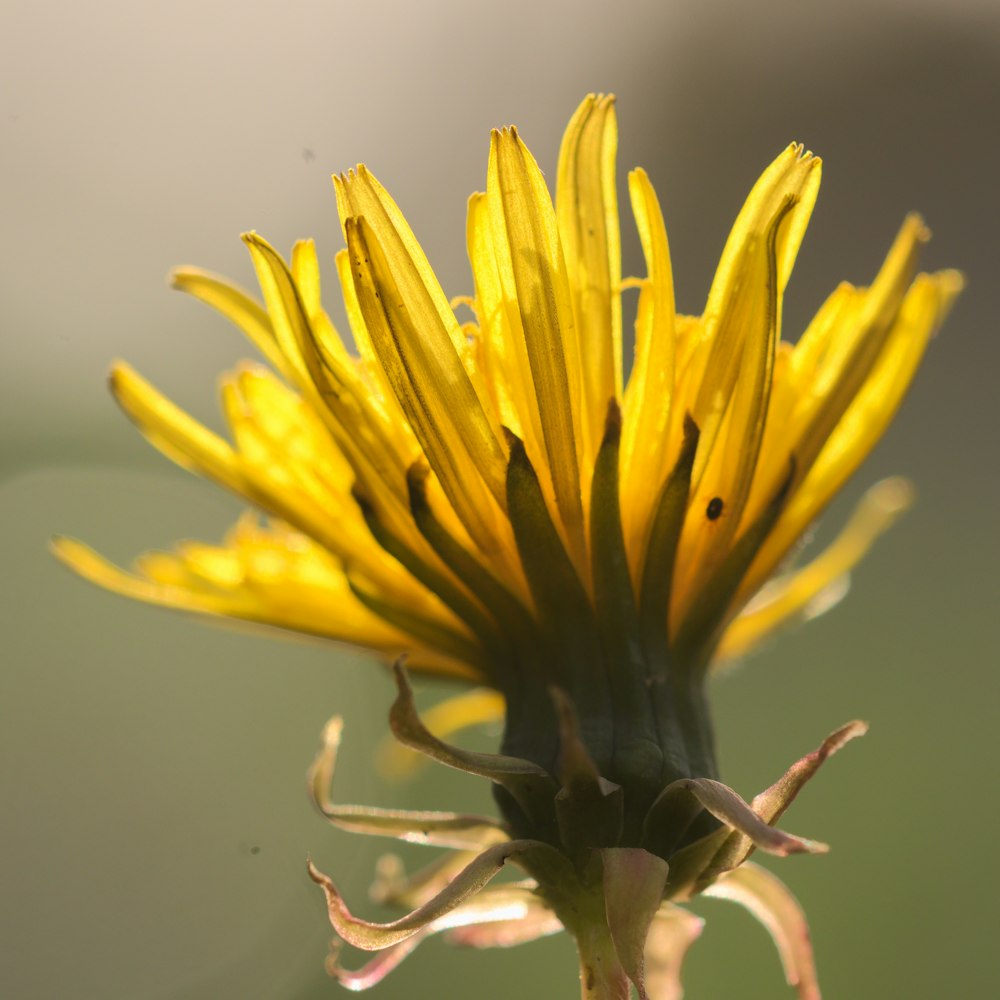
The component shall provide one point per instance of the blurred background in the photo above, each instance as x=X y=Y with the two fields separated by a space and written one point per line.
x=155 y=823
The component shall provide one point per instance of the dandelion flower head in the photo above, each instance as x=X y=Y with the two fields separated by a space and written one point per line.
x=507 y=502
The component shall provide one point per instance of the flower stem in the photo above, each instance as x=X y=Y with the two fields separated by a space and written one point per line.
x=601 y=974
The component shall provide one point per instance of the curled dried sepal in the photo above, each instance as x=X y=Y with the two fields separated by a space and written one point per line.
x=537 y=922
x=441 y=829
x=725 y=805
x=503 y=904
x=611 y=898
x=373 y=971
x=768 y=899
x=671 y=933
x=689 y=864
x=530 y=786
x=770 y=804
x=466 y=710
x=773 y=801
x=371 y=936
x=495 y=918
x=634 y=882
x=394 y=887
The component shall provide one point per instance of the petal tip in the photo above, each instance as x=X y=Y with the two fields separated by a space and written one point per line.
x=918 y=228
x=893 y=495
x=317 y=876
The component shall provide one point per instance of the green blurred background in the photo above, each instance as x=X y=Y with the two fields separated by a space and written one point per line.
x=155 y=823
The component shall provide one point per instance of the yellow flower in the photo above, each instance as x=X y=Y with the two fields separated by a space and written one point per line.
x=496 y=500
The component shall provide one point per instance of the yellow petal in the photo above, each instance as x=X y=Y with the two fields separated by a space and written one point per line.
x=729 y=469
x=305 y=275
x=865 y=420
x=292 y=329
x=795 y=595
x=167 y=589
x=207 y=564
x=587 y=212
x=771 y=223
x=360 y=194
x=181 y=438
x=237 y=306
x=505 y=358
x=379 y=447
x=540 y=313
x=432 y=387
x=292 y=471
x=647 y=448
x=356 y=321
x=837 y=355
x=285 y=470
x=742 y=328
x=289 y=599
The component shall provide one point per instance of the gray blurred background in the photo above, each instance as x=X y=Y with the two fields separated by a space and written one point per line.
x=155 y=824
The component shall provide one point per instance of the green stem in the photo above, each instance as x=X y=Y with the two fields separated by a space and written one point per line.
x=601 y=974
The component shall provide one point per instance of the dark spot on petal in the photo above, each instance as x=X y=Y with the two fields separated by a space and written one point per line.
x=714 y=509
